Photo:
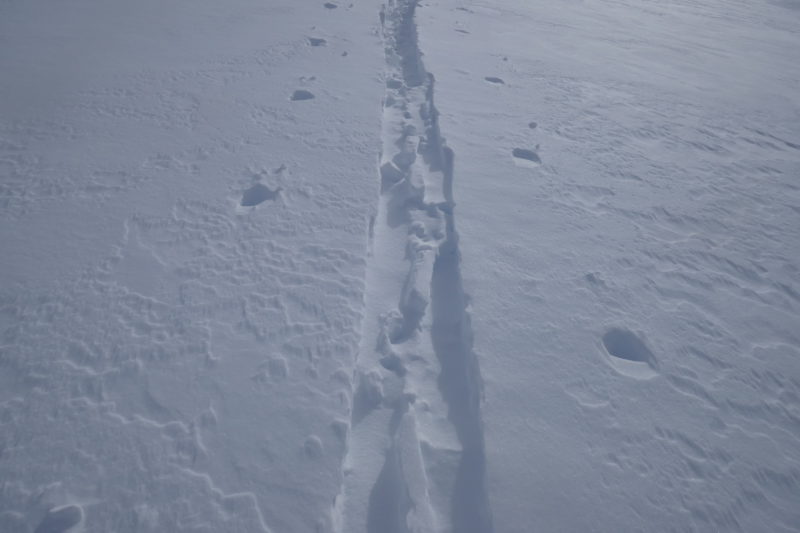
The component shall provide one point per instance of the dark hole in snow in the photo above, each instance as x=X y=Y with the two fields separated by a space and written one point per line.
x=302 y=94
x=523 y=153
x=532 y=125
x=314 y=41
x=60 y=520
x=625 y=345
x=257 y=194
x=330 y=5
x=394 y=363
x=493 y=79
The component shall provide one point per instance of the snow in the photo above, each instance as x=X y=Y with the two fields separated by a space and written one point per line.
x=633 y=294
x=174 y=358
x=456 y=266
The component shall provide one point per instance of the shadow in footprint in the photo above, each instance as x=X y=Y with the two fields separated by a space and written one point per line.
x=301 y=94
x=330 y=5
x=493 y=79
x=314 y=41
x=257 y=194
x=526 y=158
x=628 y=354
x=60 y=519
x=625 y=345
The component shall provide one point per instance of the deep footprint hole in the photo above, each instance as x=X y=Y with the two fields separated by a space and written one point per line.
x=624 y=344
x=528 y=155
x=302 y=94
x=494 y=79
x=258 y=194
x=314 y=41
x=60 y=520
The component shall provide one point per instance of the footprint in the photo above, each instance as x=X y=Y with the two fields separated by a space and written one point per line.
x=257 y=194
x=301 y=94
x=493 y=79
x=626 y=345
x=629 y=354
x=60 y=519
x=532 y=125
x=526 y=158
x=314 y=41
x=393 y=363
x=330 y=5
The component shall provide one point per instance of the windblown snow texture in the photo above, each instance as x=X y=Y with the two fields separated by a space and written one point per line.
x=182 y=265
x=247 y=287
x=628 y=211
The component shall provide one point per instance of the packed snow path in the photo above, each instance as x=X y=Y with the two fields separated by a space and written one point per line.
x=416 y=461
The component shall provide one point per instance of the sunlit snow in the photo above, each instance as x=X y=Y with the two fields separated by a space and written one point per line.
x=388 y=266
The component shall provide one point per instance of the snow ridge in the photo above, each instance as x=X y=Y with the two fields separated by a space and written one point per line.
x=416 y=460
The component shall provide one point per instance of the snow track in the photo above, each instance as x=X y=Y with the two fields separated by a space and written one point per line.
x=416 y=460
x=197 y=336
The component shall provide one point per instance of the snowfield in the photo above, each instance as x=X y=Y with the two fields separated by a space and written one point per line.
x=635 y=294
x=380 y=266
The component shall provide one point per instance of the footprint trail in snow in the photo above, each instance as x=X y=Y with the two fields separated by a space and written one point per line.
x=416 y=460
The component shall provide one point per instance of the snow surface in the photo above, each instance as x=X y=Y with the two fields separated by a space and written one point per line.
x=635 y=294
x=459 y=266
